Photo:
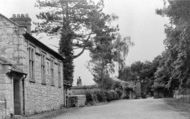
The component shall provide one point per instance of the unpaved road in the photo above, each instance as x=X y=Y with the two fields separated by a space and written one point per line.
x=127 y=109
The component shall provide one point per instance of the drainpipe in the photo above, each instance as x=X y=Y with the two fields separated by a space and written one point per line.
x=23 y=93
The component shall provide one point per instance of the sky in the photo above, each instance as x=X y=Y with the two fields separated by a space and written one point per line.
x=137 y=19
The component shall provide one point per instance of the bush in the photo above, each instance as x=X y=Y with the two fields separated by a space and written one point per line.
x=119 y=93
x=111 y=95
x=94 y=97
x=71 y=101
x=89 y=98
x=101 y=97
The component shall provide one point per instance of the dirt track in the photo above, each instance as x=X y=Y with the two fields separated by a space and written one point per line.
x=127 y=109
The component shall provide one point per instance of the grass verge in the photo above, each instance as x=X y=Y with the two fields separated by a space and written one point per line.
x=182 y=107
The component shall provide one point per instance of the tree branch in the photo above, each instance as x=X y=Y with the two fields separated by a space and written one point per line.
x=79 y=54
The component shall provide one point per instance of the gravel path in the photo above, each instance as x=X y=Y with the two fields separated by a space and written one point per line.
x=127 y=109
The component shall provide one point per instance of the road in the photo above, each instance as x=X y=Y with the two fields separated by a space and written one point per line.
x=127 y=109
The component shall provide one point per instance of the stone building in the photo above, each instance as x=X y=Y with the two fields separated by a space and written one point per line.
x=30 y=72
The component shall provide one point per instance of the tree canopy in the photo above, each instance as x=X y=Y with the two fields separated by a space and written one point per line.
x=77 y=22
x=108 y=49
x=174 y=71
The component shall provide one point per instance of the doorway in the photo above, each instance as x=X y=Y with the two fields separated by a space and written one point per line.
x=17 y=97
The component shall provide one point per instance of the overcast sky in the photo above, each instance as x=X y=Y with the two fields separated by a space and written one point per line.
x=137 y=19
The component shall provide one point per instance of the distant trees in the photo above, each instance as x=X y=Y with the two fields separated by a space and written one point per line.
x=141 y=71
x=171 y=69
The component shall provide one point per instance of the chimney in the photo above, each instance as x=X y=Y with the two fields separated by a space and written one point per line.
x=23 y=20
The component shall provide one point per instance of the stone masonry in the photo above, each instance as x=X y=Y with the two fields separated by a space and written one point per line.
x=34 y=96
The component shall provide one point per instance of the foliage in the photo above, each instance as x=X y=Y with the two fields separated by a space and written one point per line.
x=71 y=101
x=174 y=71
x=119 y=93
x=109 y=49
x=142 y=71
x=89 y=98
x=77 y=22
x=139 y=71
x=101 y=96
x=67 y=51
x=121 y=49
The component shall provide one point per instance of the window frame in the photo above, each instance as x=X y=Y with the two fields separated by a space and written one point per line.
x=52 y=72
x=43 y=68
x=59 y=75
x=31 y=60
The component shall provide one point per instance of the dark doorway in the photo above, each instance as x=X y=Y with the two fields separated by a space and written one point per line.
x=17 y=97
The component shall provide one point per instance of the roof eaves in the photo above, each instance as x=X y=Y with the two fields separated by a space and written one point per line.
x=43 y=46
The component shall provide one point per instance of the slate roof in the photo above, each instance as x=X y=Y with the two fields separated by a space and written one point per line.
x=41 y=45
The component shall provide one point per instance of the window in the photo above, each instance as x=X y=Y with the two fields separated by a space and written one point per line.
x=52 y=72
x=47 y=67
x=31 y=63
x=43 y=69
x=59 y=76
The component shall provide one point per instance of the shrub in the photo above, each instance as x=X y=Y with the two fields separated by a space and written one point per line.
x=119 y=92
x=89 y=98
x=101 y=97
x=112 y=95
x=115 y=95
x=94 y=97
x=71 y=101
x=109 y=96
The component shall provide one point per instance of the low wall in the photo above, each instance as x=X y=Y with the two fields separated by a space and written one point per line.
x=82 y=90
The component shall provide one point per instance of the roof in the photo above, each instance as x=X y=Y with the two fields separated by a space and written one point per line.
x=9 y=20
x=43 y=46
x=35 y=41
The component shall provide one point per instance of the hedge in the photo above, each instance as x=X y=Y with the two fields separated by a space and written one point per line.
x=102 y=96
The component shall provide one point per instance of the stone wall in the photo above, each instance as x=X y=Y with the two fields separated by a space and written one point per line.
x=40 y=97
x=6 y=92
x=82 y=90
x=37 y=97
x=8 y=40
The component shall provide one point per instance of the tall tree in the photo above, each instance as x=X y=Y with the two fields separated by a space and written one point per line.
x=177 y=43
x=102 y=58
x=121 y=49
x=76 y=22
x=105 y=54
